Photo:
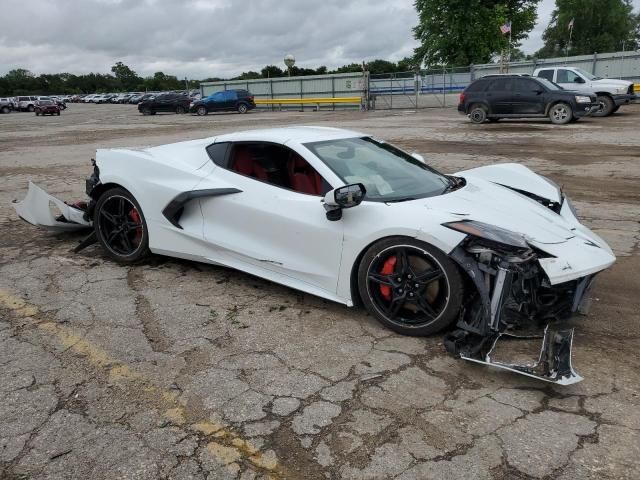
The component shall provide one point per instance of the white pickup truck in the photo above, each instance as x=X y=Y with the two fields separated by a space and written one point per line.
x=611 y=93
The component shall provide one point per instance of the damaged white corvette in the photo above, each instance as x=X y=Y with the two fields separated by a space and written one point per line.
x=490 y=252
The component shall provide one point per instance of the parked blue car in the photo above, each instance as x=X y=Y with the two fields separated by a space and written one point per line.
x=240 y=101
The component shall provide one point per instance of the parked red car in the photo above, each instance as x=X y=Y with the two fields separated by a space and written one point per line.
x=47 y=107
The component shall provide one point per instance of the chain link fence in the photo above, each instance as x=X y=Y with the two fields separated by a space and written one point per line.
x=412 y=90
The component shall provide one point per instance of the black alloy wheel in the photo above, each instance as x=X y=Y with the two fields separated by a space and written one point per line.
x=120 y=226
x=409 y=286
x=478 y=114
x=606 y=106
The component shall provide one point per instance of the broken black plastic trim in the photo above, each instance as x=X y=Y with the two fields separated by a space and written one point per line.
x=175 y=207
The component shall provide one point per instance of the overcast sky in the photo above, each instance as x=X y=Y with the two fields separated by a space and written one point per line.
x=207 y=38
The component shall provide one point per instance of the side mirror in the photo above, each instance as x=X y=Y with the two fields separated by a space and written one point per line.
x=578 y=80
x=343 y=197
x=537 y=91
x=418 y=157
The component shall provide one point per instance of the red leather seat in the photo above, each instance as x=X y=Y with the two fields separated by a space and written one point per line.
x=245 y=163
x=303 y=177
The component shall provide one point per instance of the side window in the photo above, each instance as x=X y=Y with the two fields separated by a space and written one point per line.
x=218 y=97
x=218 y=153
x=501 y=84
x=573 y=77
x=477 y=86
x=548 y=74
x=278 y=166
x=232 y=95
x=563 y=76
x=525 y=85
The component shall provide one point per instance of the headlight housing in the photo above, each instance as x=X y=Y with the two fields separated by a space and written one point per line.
x=489 y=232
x=582 y=99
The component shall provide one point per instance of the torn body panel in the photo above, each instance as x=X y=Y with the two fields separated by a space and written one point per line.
x=513 y=297
x=36 y=209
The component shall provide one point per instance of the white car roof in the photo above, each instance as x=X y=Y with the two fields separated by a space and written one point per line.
x=301 y=134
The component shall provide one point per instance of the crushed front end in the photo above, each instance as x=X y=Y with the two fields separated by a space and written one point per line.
x=512 y=298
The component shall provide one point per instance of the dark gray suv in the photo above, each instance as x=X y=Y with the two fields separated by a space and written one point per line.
x=521 y=96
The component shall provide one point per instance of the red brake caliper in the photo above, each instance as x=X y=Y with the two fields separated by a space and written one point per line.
x=388 y=268
x=135 y=216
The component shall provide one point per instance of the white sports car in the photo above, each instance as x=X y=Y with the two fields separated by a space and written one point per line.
x=492 y=251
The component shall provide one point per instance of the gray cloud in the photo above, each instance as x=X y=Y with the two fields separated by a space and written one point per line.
x=203 y=38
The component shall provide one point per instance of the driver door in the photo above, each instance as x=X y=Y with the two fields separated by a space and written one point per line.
x=270 y=230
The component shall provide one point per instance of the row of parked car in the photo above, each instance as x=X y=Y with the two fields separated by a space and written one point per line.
x=562 y=94
x=29 y=103
x=240 y=101
x=128 y=98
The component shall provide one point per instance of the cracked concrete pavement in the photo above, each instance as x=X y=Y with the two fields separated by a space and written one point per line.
x=177 y=370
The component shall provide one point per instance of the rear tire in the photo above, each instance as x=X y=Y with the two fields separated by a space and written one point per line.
x=478 y=114
x=560 y=114
x=180 y=110
x=607 y=105
x=146 y=111
x=615 y=109
x=242 y=108
x=6 y=110
x=120 y=226
x=31 y=108
x=37 y=114
x=410 y=286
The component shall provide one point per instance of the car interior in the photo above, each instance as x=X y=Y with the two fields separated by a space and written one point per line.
x=278 y=166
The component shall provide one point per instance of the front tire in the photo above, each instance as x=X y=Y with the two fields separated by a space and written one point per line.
x=201 y=110
x=606 y=106
x=31 y=108
x=560 y=114
x=478 y=114
x=120 y=226
x=409 y=286
x=146 y=111
x=6 y=110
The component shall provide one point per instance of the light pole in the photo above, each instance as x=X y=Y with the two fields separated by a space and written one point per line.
x=289 y=61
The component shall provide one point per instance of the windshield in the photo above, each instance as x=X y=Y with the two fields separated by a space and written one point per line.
x=587 y=75
x=550 y=85
x=388 y=173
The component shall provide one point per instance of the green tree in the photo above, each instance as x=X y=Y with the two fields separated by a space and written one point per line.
x=271 y=71
x=598 y=26
x=462 y=32
x=127 y=78
x=408 y=64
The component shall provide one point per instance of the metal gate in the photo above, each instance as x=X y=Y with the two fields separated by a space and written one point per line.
x=413 y=90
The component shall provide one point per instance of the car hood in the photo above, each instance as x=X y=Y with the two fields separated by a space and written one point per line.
x=503 y=207
x=611 y=81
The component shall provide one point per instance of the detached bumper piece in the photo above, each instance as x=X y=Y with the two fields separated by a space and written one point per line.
x=512 y=299
x=36 y=209
x=552 y=365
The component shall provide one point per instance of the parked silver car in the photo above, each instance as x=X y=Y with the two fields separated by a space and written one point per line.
x=6 y=105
